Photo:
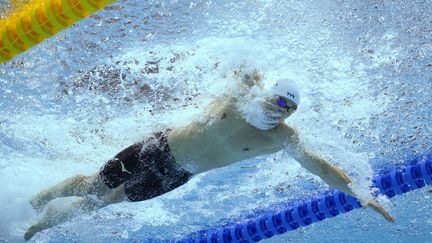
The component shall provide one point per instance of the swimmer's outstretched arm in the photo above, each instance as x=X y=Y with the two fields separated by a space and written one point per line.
x=329 y=173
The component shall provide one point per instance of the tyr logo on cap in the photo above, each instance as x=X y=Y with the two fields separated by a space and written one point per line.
x=290 y=95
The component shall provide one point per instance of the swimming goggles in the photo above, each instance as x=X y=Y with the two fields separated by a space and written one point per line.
x=286 y=104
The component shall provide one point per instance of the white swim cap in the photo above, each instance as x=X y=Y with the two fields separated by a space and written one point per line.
x=264 y=112
x=287 y=89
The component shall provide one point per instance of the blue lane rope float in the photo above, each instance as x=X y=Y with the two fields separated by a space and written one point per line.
x=414 y=175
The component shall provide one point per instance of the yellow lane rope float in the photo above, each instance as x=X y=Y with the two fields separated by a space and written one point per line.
x=38 y=20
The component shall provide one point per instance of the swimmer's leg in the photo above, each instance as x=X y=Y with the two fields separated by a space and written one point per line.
x=117 y=195
x=60 y=210
x=74 y=186
x=112 y=175
x=57 y=211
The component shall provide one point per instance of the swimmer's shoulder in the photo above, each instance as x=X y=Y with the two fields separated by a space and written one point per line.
x=223 y=108
x=222 y=103
x=286 y=133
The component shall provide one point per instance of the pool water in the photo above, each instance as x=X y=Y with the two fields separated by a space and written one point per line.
x=364 y=70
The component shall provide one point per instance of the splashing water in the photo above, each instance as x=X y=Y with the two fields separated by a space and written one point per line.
x=70 y=104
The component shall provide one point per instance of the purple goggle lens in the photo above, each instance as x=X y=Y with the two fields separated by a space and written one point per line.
x=282 y=103
x=285 y=104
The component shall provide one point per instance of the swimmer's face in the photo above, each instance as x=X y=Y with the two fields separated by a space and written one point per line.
x=286 y=106
x=279 y=108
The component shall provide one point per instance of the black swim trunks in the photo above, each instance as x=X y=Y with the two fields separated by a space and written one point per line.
x=148 y=169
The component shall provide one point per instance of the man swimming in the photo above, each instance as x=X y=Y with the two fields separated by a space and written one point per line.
x=226 y=135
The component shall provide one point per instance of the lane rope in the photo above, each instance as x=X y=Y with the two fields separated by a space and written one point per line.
x=402 y=179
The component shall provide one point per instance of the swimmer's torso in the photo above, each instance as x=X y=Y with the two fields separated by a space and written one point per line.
x=223 y=138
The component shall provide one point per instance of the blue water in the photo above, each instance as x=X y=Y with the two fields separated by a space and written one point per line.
x=364 y=69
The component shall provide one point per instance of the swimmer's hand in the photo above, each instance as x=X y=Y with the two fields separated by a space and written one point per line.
x=248 y=80
x=371 y=203
x=330 y=174
x=379 y=209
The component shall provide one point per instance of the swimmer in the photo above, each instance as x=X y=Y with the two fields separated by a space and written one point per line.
x=163 y=161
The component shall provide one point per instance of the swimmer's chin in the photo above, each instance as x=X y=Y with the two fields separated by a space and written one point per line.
x=262 y=121
x=265 y=126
